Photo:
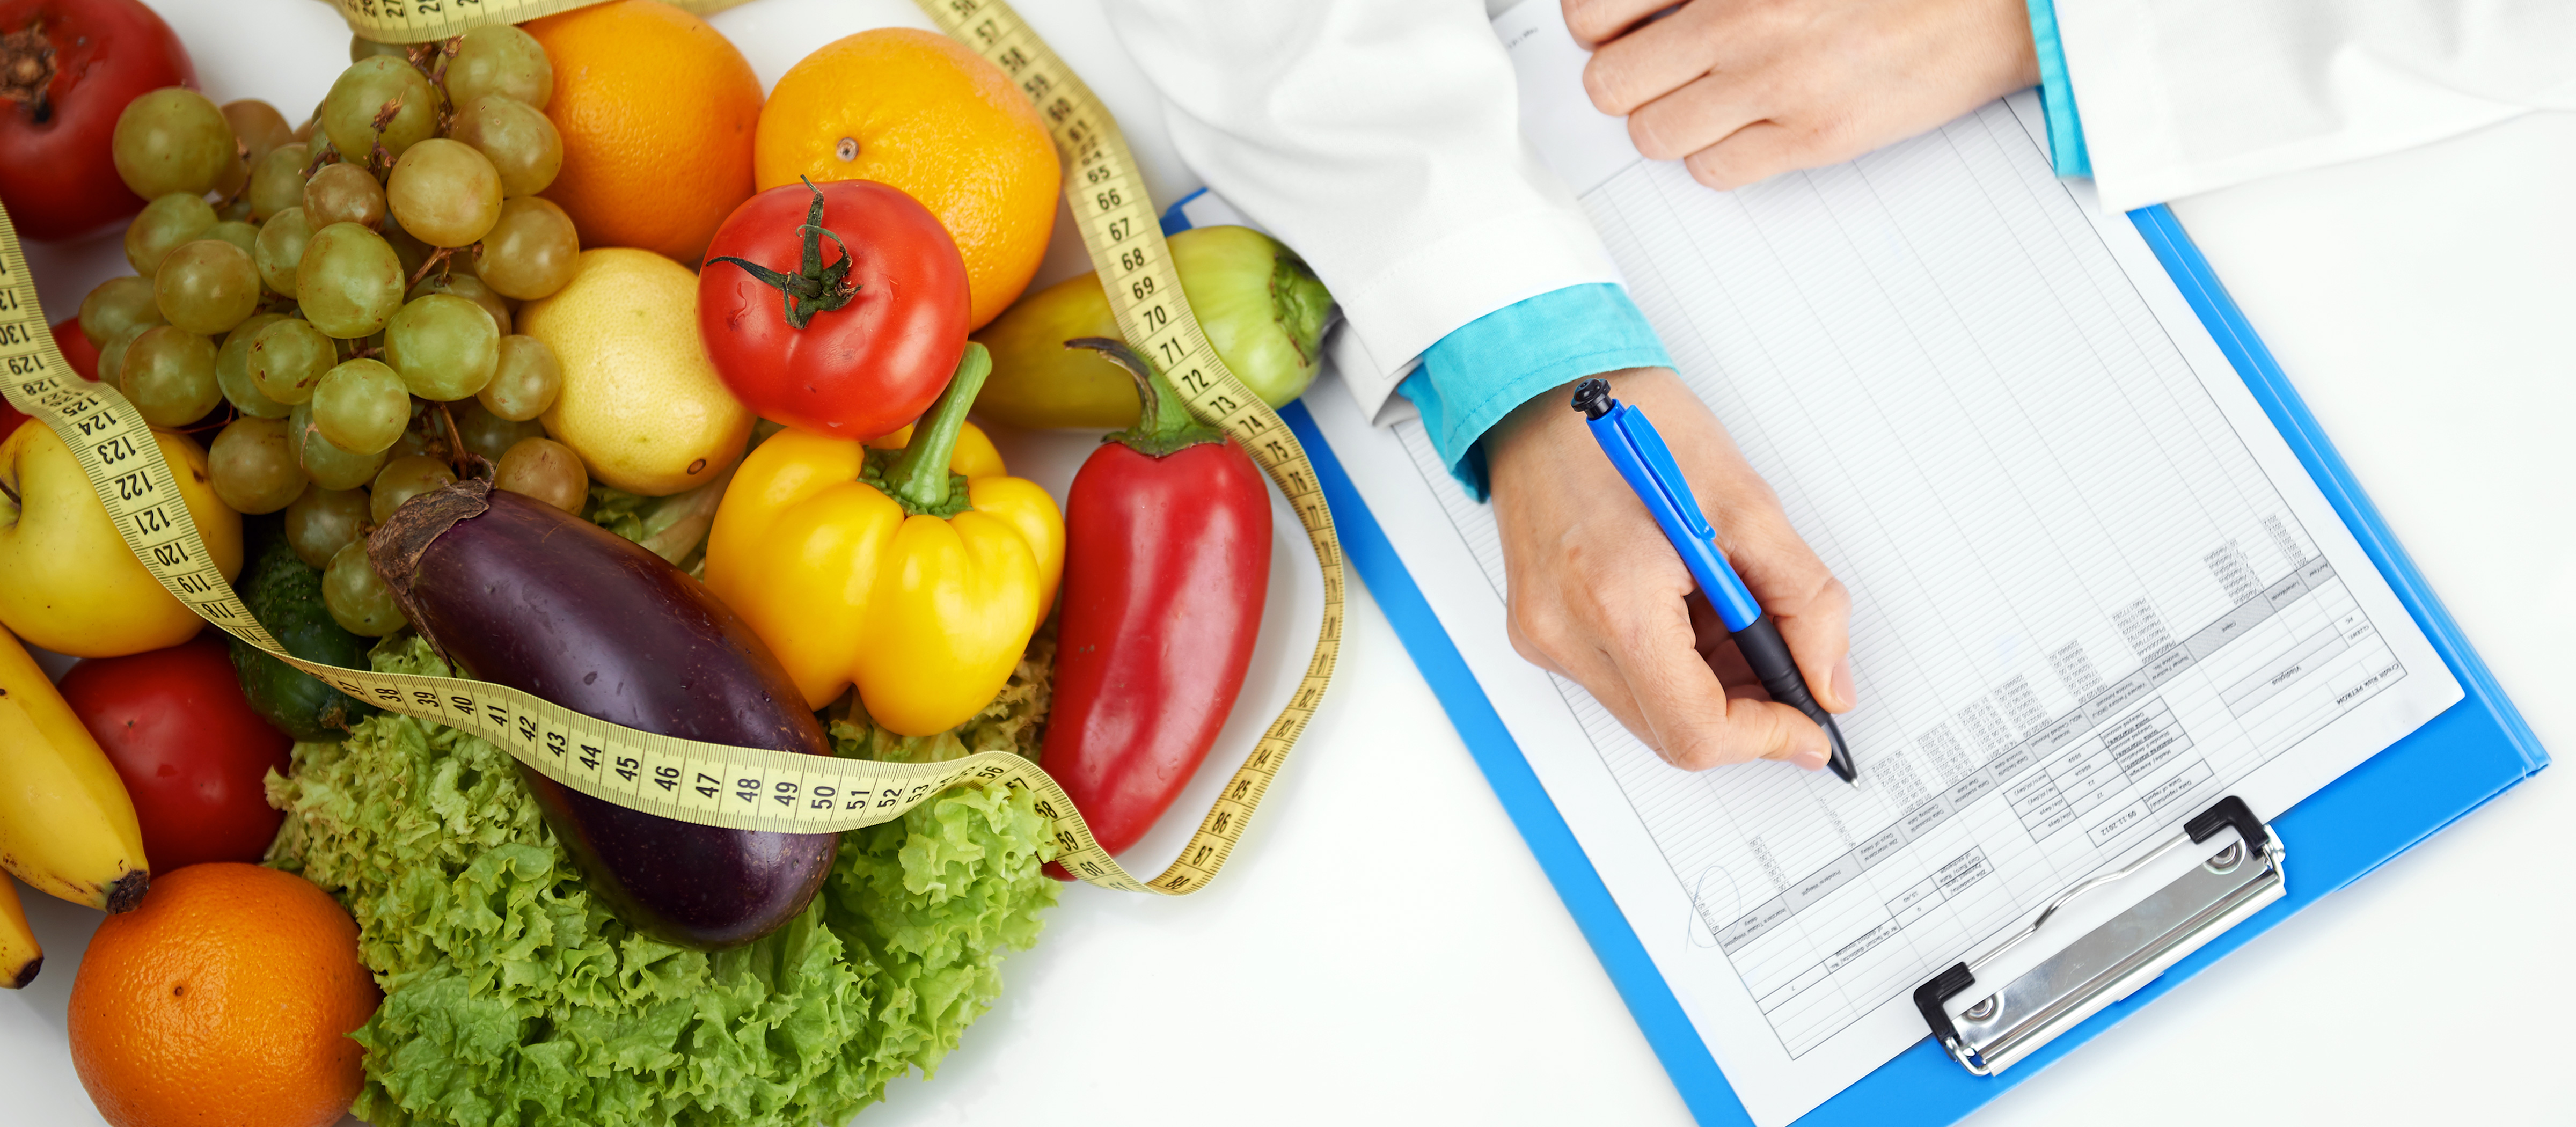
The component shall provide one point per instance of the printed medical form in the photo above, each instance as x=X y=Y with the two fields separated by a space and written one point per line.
x=2093 y=589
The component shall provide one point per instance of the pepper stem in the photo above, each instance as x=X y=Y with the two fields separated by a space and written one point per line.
x=919 y=477
x=1164 y=425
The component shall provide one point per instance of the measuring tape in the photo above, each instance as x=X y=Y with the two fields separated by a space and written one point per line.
x=687 y=780
x=1125 y=237
x=420 y=21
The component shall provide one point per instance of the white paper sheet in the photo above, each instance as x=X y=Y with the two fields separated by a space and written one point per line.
x=2093 y=589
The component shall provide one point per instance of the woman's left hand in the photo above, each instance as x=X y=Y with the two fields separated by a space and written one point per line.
x=1742 y=90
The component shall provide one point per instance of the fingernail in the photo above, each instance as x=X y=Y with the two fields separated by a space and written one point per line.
x=1811 y=760
x=1843 y=690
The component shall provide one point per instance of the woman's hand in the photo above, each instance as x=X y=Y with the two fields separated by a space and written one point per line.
x=1599 y=595
x=1741 y=90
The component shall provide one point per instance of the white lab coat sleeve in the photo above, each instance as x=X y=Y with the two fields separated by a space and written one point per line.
x=1380 y=139
x=2184 y=96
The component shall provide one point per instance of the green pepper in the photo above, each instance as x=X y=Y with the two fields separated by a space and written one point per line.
x=1259 y=303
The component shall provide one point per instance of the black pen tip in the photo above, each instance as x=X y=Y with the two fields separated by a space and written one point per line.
x=1839 y=761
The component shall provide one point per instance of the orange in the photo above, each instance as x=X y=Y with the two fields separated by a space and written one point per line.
x=920 y=111
x=226 y=999
x=657 y=112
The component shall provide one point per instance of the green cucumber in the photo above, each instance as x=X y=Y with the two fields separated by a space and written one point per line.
x=285 y=594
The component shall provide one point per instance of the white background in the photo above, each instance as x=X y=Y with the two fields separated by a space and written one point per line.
x=1391 y=953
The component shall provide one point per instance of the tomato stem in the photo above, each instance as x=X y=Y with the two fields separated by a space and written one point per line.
x=919 y=478
x=815 y=288
x=1164 y=423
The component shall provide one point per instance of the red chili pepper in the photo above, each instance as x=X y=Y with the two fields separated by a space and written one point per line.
x=1167 y=561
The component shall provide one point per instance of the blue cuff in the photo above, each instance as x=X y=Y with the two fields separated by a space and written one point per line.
x=2056 y=95
x=1474 y=376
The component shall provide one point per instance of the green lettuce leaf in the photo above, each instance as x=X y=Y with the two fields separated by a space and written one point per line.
x=674 y=527
x=514 y=997
x=618 y=511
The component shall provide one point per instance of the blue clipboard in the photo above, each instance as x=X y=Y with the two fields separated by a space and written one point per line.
x=2450 y=766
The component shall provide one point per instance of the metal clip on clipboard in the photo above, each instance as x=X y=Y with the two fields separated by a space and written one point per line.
x=2110 y=962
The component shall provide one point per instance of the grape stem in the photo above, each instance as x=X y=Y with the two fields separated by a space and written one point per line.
x=385 y=115
x=446 y=54
x=816 y=288
x=467 y=462
x=231 y=415
x=436 y=258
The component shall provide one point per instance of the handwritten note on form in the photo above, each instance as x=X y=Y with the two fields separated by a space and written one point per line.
x=2093 y=588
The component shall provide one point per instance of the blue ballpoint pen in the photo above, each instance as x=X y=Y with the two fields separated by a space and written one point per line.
x=1642 y=459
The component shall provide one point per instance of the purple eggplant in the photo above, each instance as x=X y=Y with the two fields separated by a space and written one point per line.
x=520 y=593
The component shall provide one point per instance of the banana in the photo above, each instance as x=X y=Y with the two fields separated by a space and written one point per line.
x=66 y=825
x=19 y=955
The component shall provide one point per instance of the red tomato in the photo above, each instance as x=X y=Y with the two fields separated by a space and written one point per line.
x=884 y=325
x=192 y=753
x=57 y=175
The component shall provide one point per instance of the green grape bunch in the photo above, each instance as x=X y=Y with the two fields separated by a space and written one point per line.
x=329 y=306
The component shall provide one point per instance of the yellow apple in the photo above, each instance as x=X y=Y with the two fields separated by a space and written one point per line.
x=68 y=583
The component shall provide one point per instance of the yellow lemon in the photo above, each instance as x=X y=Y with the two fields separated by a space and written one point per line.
x=641 y=402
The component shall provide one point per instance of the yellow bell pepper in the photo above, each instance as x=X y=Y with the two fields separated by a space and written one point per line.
x=869 y=567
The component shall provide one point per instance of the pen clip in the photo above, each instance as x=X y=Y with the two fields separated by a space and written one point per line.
x=1662 y=469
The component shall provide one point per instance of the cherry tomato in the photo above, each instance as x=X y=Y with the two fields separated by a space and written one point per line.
x=880 y=315
x=67 y=68
x=193 y=755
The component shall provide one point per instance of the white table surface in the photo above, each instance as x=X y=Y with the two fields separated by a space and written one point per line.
x=2420 y=301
